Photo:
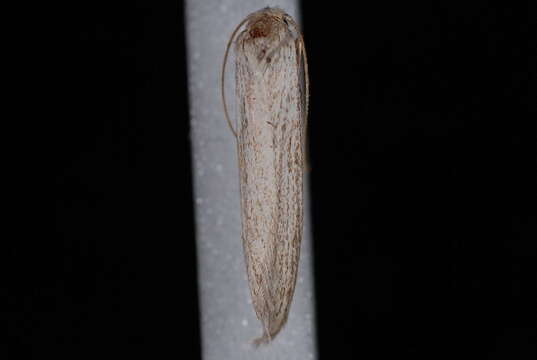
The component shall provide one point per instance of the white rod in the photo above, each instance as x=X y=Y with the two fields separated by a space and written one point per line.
x=228 y=322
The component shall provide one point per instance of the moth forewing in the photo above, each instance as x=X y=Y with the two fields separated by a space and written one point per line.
x=271 y=102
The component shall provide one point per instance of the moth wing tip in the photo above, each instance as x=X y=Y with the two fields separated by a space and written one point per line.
x=262 y=340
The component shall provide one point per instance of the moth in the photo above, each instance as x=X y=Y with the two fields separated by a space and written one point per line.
x=272 y=89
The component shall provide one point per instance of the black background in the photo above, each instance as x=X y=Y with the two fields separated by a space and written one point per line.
x=423 y=156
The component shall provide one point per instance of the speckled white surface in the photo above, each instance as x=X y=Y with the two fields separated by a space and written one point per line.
x=228 y=321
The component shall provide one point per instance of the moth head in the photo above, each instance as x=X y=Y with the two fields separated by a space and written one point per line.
x=266 y=31
x=261 y=28
x=266 y=22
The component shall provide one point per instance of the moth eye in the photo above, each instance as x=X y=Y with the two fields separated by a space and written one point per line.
x=268 y=59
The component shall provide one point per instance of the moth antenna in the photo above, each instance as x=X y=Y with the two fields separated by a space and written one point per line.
x=305 y=60
x=306 y=75
x=222 y=75
x=307 y=84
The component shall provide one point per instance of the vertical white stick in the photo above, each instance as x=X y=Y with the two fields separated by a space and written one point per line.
x=228 y=322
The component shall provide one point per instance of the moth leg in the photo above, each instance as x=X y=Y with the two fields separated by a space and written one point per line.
x=303 y=58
